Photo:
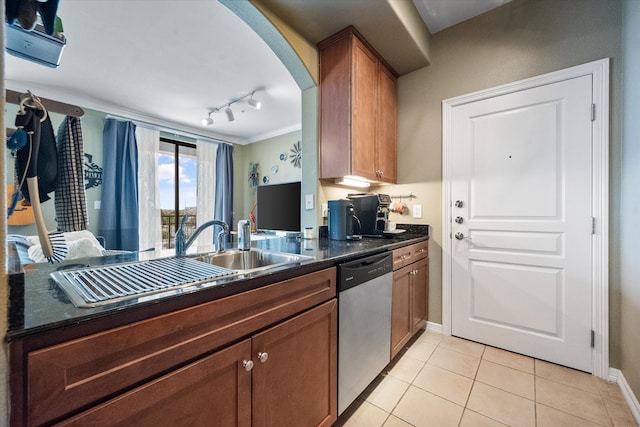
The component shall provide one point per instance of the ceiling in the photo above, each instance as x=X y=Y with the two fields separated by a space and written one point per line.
x=163 y=63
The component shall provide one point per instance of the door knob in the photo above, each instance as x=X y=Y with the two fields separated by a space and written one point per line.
x=459 y=236
x=458 y=203
x=247 y=365
x=459 y=220
x=263 y=356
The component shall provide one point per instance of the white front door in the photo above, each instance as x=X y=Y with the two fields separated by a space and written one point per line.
x=521 y=221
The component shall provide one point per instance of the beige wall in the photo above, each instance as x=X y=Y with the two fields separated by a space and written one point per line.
x=521 y=39
x=629 y=213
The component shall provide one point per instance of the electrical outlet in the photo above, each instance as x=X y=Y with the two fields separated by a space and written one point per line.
x=308 y=201
x=325 y=210
x=417 y=211
x=96 y=204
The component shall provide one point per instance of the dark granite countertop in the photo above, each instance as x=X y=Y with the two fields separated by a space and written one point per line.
x=37 y=305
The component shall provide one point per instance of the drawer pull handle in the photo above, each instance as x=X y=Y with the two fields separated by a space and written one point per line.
x=263 y=356
x=247 y=365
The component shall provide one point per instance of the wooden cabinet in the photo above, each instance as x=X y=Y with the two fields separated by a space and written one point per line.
x=401 y=319
x=283 y=376
x=420 y=294
x=410 y=254
x=358 y=110
x=409 y=309
x=183 y=357
x=296 y=385
x=215 y=390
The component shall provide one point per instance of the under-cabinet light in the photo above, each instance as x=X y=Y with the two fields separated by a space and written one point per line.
x=353 y=181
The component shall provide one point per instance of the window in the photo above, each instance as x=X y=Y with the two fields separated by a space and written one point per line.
x=177 y=185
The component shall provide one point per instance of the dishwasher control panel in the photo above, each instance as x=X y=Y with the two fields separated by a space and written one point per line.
x=354 y=273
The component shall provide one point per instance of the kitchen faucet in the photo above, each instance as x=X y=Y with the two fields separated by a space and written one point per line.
x=182 y=246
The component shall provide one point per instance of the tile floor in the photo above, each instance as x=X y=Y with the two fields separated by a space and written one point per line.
x=447 y=381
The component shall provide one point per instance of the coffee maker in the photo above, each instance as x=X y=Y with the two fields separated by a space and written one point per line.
x=341 y=220
x=373 y=212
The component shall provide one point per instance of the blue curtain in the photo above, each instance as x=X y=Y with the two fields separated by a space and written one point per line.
x=119 y=208
x=223 y=207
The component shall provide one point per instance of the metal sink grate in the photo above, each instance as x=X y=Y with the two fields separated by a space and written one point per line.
x=91 y=287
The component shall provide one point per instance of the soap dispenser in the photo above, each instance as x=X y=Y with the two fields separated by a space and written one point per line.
x=244 y=235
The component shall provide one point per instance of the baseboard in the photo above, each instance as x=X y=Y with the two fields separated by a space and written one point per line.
x=434 y=327
x=616 y=376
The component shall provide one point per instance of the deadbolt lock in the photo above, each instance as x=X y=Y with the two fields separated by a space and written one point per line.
x=458 y=203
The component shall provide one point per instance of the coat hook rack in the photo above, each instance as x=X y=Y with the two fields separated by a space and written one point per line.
x=13 y=97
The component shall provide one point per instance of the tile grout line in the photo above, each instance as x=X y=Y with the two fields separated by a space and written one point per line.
x=535 y=394
x=389 y=414
x=600 y=391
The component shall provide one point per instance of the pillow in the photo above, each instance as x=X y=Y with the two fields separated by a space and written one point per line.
x=80 y=244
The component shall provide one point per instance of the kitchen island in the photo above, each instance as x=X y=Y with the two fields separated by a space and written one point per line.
x=83 y=365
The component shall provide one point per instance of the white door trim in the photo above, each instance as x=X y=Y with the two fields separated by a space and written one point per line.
x=599 y=70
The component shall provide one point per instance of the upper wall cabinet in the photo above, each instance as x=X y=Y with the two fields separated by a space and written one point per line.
x=358 y=110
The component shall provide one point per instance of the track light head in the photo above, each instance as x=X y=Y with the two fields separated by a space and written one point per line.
x=207 y=121
x=229 y=113
x=254 y=103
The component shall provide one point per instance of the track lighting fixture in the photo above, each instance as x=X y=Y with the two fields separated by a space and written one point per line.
x=229 y=113
x=207 y=121
x=254 y=103
x=251 y=102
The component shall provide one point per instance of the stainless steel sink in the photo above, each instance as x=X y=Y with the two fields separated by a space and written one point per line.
x=94 y=287
x=251 y=260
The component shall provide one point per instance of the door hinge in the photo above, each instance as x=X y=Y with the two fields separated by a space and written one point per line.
x=593 y=338
x=593 y=225
x=593 y=112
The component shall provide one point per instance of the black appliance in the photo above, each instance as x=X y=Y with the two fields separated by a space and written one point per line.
x=341 y=220
x=373 y=212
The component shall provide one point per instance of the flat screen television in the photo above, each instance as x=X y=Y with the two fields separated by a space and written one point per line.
x=278 y=207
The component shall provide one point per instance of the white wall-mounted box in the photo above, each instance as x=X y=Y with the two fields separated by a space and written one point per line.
x=35 y=45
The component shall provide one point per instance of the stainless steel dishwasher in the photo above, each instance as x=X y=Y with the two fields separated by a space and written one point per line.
x=364 y=323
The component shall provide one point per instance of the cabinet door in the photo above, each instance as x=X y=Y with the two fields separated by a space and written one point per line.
x=387 y=126
x=420 y=294
x=400 y=309
x=335 y=108
x=295 y=384
x=215 y=390
x=363 y=126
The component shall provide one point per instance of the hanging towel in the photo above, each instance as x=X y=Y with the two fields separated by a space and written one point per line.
x=47 y=168
x=71 y=204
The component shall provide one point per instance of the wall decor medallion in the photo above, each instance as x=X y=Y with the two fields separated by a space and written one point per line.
x=254 y=175
x=265 y=179
x=274 y=169
x=296 y=157
x=92 y=172
x=283 y=157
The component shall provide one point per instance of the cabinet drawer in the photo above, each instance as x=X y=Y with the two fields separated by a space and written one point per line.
x=409 y=254
x=216 y=387
x=72 y=375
